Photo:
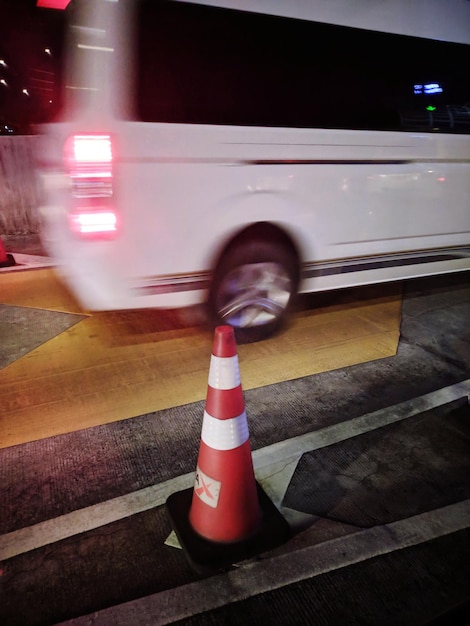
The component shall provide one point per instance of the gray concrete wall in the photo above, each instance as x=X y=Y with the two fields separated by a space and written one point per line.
x=19 y=192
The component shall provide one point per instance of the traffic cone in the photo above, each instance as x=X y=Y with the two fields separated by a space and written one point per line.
x=231 y=513
x=6 y=260
x=226 y=517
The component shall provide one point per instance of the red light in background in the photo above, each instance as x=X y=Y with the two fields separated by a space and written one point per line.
x=53 y=4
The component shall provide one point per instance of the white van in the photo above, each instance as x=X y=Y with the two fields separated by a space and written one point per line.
x=236 y=152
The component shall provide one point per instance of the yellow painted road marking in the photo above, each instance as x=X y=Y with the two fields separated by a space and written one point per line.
x=114 y=366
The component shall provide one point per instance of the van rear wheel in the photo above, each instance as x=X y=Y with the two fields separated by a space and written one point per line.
x=253 y=287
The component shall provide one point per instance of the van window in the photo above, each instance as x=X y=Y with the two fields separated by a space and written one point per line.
x=207 y=65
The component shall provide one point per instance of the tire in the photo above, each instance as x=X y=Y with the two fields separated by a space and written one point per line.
x=253 y=287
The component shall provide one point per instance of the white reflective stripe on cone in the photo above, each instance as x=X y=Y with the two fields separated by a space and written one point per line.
x=224 y=372
x=224 y=434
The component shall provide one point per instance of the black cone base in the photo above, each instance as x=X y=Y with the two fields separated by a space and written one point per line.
x=209 y=557
x=9 y=261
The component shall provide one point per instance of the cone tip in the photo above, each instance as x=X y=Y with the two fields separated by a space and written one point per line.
x=224 y=342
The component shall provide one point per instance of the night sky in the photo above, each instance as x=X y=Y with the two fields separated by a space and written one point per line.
x=30 y=50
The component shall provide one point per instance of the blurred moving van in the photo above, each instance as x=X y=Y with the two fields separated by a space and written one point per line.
x=237 y=153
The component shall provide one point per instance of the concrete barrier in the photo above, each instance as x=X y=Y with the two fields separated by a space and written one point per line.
x=19 y=192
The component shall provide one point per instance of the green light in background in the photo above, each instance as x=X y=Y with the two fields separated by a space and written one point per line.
x=430 y=107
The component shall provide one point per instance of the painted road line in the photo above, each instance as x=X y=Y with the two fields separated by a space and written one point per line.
x=256 y=577
x=360 y=425
x=92 y=517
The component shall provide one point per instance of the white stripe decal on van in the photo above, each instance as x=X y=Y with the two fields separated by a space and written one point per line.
x=345 y=266
x=173 y=284
x=201 y=281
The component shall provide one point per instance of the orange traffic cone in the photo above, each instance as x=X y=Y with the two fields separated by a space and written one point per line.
x=5 y=259
x=225 y=501
x=226 y=517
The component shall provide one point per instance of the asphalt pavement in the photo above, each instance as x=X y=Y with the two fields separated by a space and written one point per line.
x=369 y=464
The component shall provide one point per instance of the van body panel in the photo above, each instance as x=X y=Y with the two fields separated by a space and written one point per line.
x=359 y=206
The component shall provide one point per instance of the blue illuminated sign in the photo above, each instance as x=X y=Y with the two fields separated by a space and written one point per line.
x=427 y=88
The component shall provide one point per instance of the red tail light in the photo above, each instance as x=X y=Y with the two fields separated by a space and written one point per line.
x=89 y=161
x=93 y=222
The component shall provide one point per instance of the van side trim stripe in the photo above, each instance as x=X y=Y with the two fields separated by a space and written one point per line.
x=173 y=283
x=201 y=281
x=345 y=266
